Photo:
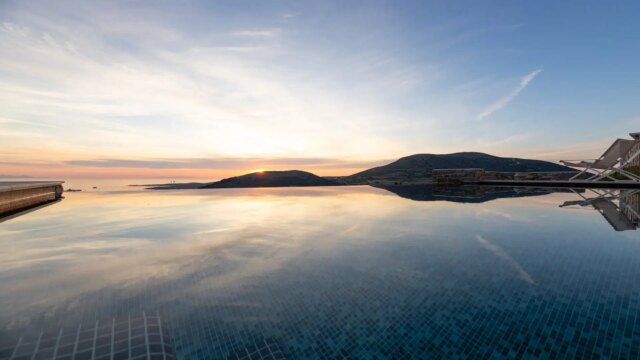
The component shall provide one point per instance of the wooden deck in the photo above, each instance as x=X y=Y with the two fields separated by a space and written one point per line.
x=18 y=196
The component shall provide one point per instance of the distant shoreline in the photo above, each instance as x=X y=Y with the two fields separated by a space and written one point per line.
x=201 y=186
x=409 y=170
x=170 y=186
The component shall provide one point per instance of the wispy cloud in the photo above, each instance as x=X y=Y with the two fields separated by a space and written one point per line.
x=166 y=90
x=260 y=34
x=574 y=150
x=499 y=252
x=280 y=163
x=134 y=80
x=15 y=176
x=504 y=101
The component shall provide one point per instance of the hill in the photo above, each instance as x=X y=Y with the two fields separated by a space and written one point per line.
x=271 y=179
x=420 y=166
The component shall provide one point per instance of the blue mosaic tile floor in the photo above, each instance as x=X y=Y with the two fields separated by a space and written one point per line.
x=511 y=278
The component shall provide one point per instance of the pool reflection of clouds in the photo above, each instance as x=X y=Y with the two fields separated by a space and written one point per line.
x=98 y=240
x=501 y=253
x=111 y=248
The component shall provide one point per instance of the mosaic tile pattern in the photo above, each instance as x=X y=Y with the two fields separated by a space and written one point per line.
x=494 y=283
x=123 y=338
x=263 y=350
x=440 y=308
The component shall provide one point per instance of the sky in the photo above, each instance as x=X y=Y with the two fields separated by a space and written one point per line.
x=210 y=89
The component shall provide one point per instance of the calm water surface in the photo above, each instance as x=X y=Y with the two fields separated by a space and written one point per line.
x=347 y=272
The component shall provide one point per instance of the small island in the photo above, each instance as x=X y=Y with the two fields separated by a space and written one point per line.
x=272 y=179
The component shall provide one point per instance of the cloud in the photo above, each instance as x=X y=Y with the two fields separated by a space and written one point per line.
x=503 y=141
x=575 y=150
x=106 y=81
x=259 y=34
x=499 y=252
x=15 y=176
x=13 y=28
x=504 y=101
x=108 y=84
x=280 y=163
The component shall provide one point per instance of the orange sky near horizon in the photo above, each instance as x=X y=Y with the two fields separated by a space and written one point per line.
x=54 y=163
x=61 y=170
x=71 y=172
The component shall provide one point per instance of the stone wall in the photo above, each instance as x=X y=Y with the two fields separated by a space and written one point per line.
x=467 y=176
x=456 y=176
x=554 y=175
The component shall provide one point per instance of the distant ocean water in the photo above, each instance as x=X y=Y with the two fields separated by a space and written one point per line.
x=106 y=184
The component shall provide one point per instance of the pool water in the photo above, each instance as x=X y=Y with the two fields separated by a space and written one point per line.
x=320 y=273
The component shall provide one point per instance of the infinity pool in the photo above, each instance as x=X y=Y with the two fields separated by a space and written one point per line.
x=317 y=273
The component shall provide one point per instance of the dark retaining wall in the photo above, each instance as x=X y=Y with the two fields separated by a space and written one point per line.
x=470 y=176
x=18 y=196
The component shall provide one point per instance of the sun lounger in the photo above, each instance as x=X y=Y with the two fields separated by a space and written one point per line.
x=620 y=154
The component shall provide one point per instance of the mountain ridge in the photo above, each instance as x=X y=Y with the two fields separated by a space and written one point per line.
x=408 y=170
x=420 y=166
